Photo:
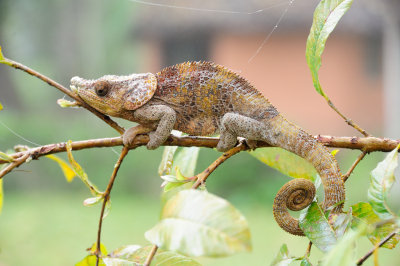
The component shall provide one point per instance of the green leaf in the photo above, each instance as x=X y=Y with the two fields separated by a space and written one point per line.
x=363 y=213
x=65 y=103
x=344 y=253
x=382 y=178
x=165 y=167
x=67 y=170
x=174 y=163
x=167 y=159
x=197 y=223
x=286 y=162
x=341 y=223
x=162 y=258
x=6 y=157
x=1 y=194
x=174 y=190
x=283 y=258
x=171 y=182
x=317 y=228
x=183 y=167
x=327 y=14
x=124 y=252
x=117 y=262
x=4 y=60
x=80 y=172
x=186 y=160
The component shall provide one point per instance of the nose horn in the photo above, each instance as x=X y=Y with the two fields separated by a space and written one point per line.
x=76 y=80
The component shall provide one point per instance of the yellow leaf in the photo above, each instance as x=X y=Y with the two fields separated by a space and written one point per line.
x=1 y=106
x=334 y=152
x=75 y=165
x=78 y=170
x=103 y=249
x=6 y=157
x=67 y=170
x=1 y=194
x=4 y=60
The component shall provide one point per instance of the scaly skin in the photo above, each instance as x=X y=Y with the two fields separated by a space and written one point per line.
x=201 y=98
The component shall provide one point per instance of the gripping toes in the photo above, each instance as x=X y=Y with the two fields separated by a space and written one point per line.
x=130 y=134
x=155 y=141
x=235 y=125
x=227 y=141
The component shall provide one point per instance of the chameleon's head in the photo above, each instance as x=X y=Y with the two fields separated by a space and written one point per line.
x=112 y=94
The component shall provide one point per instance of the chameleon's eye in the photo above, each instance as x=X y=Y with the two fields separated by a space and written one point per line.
x=101 y=88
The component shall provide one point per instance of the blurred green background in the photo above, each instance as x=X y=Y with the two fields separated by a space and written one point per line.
x=43 y=221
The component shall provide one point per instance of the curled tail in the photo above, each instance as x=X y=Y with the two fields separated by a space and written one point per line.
x=299 y=193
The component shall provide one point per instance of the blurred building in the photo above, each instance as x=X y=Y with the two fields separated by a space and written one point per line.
x=231 y=33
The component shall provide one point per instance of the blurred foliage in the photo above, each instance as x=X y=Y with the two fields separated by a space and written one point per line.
x=327 y=14
x=214 y=228
x=64 y=38
x=34 y=222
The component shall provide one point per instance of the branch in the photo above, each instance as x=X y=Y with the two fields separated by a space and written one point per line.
x=106 y=197
x=151 y=255
x=369 y=253
x=348 y=121
x=14 y=164
x=356 y=162
x=202 y=177
x=368 y=144
x=60 y=87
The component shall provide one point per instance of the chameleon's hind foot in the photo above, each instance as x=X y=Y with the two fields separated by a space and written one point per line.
x=252 y=144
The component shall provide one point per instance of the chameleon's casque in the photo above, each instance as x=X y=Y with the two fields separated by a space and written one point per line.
x=202 y=98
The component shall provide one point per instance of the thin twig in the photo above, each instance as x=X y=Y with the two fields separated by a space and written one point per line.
x=151 y=255
x=14 y=164
x=369 y=253
x=359 y=158
x=202 y=177
x=106 y=197
x=58 y=86
x=348 y=121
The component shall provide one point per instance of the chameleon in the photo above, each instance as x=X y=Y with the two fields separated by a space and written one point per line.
x=203 y=98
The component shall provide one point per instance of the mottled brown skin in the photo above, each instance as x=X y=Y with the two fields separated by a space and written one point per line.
x=201 y=98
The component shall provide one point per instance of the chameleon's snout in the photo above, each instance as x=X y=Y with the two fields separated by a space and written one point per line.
x=75 y=81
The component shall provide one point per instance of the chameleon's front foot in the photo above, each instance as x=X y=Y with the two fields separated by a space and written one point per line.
x=130 y=134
